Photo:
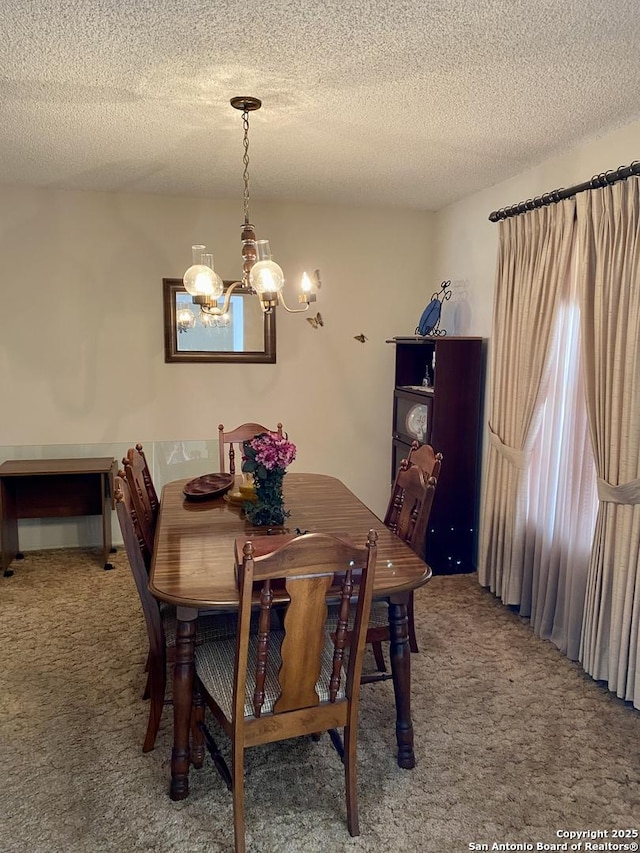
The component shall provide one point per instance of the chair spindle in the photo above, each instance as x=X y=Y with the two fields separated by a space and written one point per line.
x=266 y=600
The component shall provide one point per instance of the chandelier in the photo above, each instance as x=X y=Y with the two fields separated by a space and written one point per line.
x=261 y=275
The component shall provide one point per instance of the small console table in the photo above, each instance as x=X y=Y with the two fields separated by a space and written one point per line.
x=54 y=488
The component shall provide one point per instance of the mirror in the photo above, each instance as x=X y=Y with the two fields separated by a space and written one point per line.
x=246 y=335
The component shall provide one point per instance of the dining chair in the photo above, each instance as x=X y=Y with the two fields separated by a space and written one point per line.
x=412 y=496
x=235 y=437
x=290 y=681
x=143 y=492
x=160 y=620
x=407 y=516
x=424 y=457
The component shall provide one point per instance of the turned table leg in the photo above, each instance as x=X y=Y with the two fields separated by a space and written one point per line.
x=401 y=670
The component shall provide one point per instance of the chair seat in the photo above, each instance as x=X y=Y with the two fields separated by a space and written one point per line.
x=378 y=616
x=215 y=665
x=216 y=626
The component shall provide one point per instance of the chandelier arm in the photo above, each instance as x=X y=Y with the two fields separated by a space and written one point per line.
x=215 y=311
x=291 y=310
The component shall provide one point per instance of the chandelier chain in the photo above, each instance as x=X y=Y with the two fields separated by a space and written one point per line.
x=245 y=160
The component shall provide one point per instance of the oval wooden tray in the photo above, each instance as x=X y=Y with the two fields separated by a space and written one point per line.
x=208 y=486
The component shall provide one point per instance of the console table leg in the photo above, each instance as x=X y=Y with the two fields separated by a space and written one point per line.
x=8 y=573
x=401 y=669
x=105 y=485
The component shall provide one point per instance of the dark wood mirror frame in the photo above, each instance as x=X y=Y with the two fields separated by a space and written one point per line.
x=173 y=286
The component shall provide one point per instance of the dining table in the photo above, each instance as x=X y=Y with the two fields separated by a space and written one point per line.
x=193 y=567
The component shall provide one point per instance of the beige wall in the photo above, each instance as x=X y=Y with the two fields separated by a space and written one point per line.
x=81 y=341
x=81 y=328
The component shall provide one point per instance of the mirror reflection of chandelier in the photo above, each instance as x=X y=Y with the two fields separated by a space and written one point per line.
x=215 y=321
x=186 y=319
x=260 y=274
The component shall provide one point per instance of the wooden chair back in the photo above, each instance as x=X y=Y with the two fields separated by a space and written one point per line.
x=412 y=495
x=306 y=568
x=425 y=457
x=235 y=437
x=139 y=557
x=144 y=496
x=295 y=684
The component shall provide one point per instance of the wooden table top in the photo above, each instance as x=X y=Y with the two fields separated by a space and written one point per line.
x=193 y=564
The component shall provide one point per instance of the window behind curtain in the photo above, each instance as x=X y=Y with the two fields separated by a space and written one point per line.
x=561 y=499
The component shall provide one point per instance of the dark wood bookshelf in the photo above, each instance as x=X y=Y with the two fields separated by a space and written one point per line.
x=445 y=414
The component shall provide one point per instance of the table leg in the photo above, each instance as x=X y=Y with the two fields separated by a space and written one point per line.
x=183 y=672
x=8 y=527
x=401 y=670
x=106 y=522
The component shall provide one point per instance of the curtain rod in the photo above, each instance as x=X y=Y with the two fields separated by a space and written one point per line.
x=597 y=181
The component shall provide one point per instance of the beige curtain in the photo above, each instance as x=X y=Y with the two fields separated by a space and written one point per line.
x=608 y=228
x=534 y=258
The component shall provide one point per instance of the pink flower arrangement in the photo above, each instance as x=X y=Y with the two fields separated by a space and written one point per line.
x=269 y=451
x=266 y=456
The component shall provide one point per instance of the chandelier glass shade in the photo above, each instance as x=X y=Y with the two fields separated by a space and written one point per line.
x=265 y=276
x=201 y=280
x=261 y=275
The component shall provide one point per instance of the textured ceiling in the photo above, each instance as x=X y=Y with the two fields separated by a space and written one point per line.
x=403 y=102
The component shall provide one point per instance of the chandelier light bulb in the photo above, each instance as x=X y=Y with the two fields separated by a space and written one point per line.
x=266 y=277
x=305 y=284
x=201 y=279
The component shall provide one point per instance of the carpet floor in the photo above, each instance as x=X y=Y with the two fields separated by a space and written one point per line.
x=514 y=743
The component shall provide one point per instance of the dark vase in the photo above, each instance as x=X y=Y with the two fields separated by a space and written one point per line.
x=268 y=508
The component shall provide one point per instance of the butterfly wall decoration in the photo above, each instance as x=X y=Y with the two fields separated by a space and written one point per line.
x=361 y=338
x=316 y=321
